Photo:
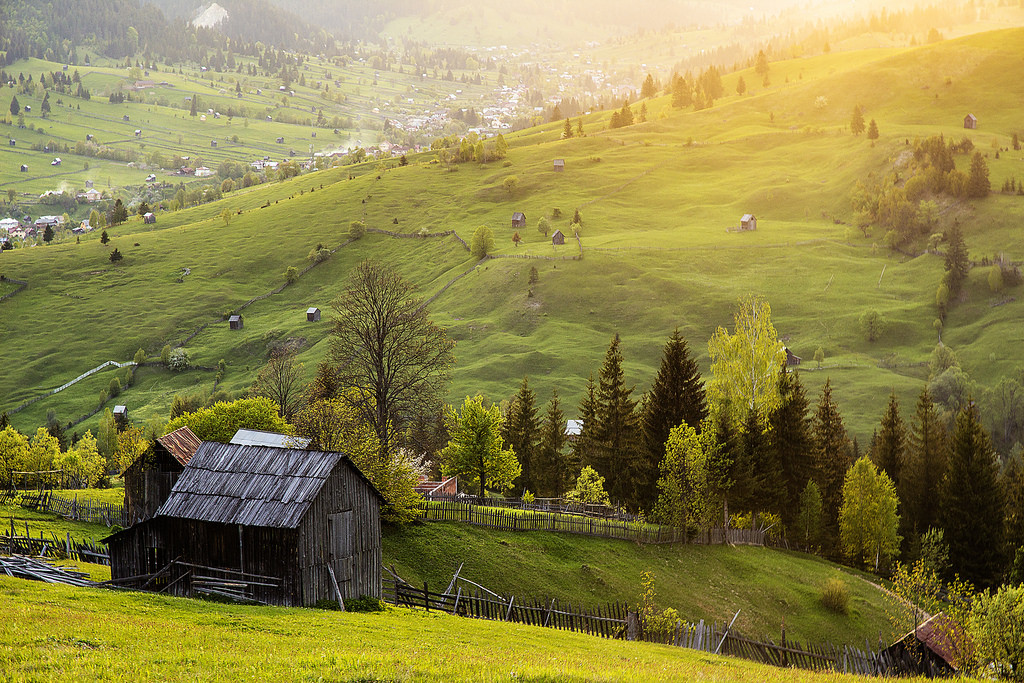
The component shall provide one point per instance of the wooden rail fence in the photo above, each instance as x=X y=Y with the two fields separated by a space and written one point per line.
x=528 y=520
x=79 y=511
x=617 y=620
x=51 y=546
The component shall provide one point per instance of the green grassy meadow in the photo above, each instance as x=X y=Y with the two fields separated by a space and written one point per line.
x=63 y=633
x=767 y=586
x=656 y=199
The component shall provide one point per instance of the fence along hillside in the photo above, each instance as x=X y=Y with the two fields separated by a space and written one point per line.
x=617 y=620
x=533 y=520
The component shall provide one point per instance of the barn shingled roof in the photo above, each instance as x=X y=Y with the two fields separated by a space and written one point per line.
x=181 y=444
x=251 y=485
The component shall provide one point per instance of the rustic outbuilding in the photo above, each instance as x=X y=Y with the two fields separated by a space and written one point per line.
x=557 y=237
x=12 y=142
x=971 y=122
x=313 y=314
x=213 y=143
x=149 y=479
x=258 y=437
x=235 y=322
x=149 y=217
x=519 y=219
x=559 y=165
x=24 y=168
x=791 y=358
x=292 y=527
x=748 y=222
x=929 y=650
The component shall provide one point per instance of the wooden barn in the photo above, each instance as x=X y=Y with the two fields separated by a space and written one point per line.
x=559 y=165
x=930 y=649
x=748 y=222
x=149 y=217
x=519 y=219
x=148 y=481
x=313 y=315
x=791 y=358
x=557 y=237
x=971 y=122
x=271 y=525
x=235 y=322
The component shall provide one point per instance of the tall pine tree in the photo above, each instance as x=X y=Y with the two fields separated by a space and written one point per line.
x=556 y=474
x=971 y=499
x=793 y=444
x=923 y=467
x=832 y=459
x=675 y=398
x=584 y=449
x=888 y=447
x=521 y=431
x=617 y=430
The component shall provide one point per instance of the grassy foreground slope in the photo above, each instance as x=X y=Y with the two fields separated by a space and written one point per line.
x=656 y=199
x=767 y=586
x=68 y=634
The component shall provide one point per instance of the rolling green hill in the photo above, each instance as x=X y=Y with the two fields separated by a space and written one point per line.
x=58 y=632
x=656 y=199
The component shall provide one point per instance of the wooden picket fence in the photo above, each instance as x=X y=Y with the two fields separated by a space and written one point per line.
x=617 y=620
x=12 y=543
x=73 y=509
x=532 y=520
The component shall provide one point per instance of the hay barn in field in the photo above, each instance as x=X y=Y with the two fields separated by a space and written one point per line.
x=519 y=219
x=971 y=122
x=271 y=525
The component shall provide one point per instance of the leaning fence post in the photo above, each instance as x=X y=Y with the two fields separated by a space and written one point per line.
x=632 y=625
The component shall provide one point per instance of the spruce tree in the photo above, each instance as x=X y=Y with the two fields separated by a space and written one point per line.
x=832 y=453
x=675 y=398
x=584 y=450
x=978 y=184
x=745 y=494
x=521 y=431
x=888 y=447
x=555 y=471
x=793 y=444
x=958 y=263
x=872 y=130
x=857 y=122
x=971 y=503
x=567 y=129
x=617 y=429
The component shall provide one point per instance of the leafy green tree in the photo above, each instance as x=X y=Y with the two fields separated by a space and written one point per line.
x=872 y=130
x=356 y=229
x=476 y=451
x=676 y=397
x=996 y=626
x=220 y=421
x=140 y=357
x=745 y=365
x=888 y=451
x=500 y=147
x=555 y=469
x=390 y=357
x=226 y=216
x=791 y=440
x=521 y=431
x=868 y=519
x=165 y=354
x=589 y=488
x=682 y=92
x=857 y=121
x=13 y=455
x=675 y=496
x=832 y=459
x=482 y=243
x=510 y=183
x=971 y=502
x=543 y=226
x=106 y=435
x=819 y=356
x=978 y=184
x=809 y=524
x=616 y=430
x=872 y=325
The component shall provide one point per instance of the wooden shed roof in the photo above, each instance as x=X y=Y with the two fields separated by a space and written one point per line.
x=251 y=485
x=182 y=444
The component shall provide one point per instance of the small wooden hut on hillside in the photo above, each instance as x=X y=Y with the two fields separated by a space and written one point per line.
x=930 y=649
x=748 y=222
x=971 y=122
x=291 y=526
x=235 y=322
x=518 y=219
x=148 y=481
x=557 y=237
x=559 y=165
